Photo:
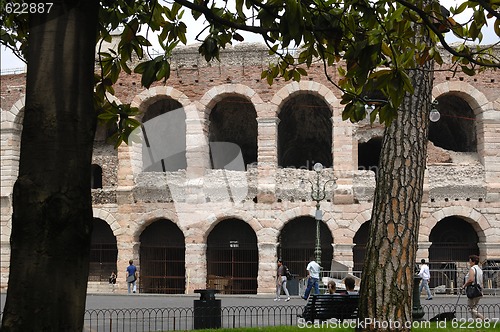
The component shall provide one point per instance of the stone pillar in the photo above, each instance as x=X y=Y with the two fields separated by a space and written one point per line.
x=127 y=249
x=342 y=253
x=129 y=163
x=343 y=166
x=197 y=155
x=489 y=145
x=267 y=159
x=266 y=282
x=423 y=251
x=488 y=250
x=197 y=144
x=196 y=266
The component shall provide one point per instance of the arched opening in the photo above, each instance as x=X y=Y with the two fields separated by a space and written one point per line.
x=96 y=177
x=369 y=154
x=103 y=251
x=297 y=242
x=164 y=146
x=453 y=240
x=359 y=250
x=456 y=129
x=232 y=258
x=162 y=256
x=305 y=133
x=233 y=120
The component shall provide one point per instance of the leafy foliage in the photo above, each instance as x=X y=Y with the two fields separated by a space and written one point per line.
x=370 y=37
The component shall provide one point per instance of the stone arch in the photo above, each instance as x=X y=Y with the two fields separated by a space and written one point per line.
x=103 y=251
x=298 y=213
x=11 y=128
x=149 y=218
x=470 y=215
x=162 y=254
x=130 y=156
x=213 y=220
x=217 y=93
x=13 y=118
x=107 y=217
x=317 y=89
x=306 y=112
x=232 y=257
x=476 y=100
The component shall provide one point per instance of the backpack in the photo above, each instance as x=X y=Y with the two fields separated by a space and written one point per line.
x=288 y=275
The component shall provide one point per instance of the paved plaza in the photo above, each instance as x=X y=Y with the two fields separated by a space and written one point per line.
x=124 y=301
x=100 y=301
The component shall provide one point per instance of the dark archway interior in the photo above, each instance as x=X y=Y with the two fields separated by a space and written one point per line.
x=369 y=154
x=165 y=137
x=305 y=133
x=456 y=129
x=233 y=120
x=297 y=242
x=453 y=240
x=232 y=258
x=359 y=250
x=103 y=251
x=96 y=177
x=162 y=258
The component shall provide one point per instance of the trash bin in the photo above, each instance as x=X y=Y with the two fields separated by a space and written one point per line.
x=293 y=285
x=207 y=310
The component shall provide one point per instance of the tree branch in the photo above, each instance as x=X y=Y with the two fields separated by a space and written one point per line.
x=427 y=22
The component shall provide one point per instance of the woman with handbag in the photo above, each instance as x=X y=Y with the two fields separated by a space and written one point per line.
x=474 y=285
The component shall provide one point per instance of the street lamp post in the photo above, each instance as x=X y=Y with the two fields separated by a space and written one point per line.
x=318 y=193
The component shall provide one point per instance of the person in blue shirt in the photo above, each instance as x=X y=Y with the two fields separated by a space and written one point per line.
x=131 y=276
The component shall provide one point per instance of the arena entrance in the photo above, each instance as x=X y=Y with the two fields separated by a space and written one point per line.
x=453 y=240
x=232 y=258
x=103 y=251
x=162 y=259
x=297 y=242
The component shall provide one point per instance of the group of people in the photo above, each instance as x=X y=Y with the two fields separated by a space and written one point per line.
x=131 y=275
x=475 y=275
x=313 y=269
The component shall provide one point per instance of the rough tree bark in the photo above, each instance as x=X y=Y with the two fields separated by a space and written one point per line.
x=52 y=218
x=387 y=280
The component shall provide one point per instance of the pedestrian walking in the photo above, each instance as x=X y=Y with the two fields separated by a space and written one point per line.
x=313 y=270
x=426 y=276
x=131 y=276
x=281 y=281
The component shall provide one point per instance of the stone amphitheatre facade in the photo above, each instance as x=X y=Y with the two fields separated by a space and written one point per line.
x=195 y=212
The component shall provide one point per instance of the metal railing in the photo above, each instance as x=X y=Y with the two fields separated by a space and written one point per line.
x=176 y=319
x=443 y=281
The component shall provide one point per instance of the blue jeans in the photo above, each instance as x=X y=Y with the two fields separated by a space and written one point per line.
x=310 y=283
x=425 y=284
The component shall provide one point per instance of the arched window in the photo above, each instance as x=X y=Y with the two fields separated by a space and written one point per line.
x=164 y=129
x=456 y=129
x=96 y=177
x=233 y=120
x=305 y=133
x=369 y=154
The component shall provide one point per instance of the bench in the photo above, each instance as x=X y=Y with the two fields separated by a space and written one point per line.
x=326 y=306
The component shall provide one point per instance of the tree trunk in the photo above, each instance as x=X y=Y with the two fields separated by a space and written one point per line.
x=387 y=280
x=52 y=218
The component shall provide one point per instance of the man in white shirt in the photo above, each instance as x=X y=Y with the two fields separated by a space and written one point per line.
x=313 y=270
x=426 y=276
